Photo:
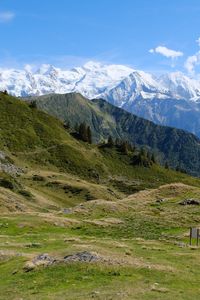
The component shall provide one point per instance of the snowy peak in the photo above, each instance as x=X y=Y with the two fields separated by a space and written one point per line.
x=92 y=66
x=181 y=85
x=137 y=85
x=91 y=79
x=116 y=83
x=45 y=69
x=142 y=81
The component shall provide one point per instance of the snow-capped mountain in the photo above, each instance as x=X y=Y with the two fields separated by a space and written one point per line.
x=91 y=80
x=180 y=85
x=120 y=84
x=171 y=99
x=137 y=85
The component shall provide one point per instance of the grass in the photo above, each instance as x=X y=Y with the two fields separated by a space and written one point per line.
x=144 y=256
x=144 y=269
x=75 y=197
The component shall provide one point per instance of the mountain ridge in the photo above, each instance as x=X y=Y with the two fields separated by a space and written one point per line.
x=177 y=147
x=171 y=99
x=102 y=77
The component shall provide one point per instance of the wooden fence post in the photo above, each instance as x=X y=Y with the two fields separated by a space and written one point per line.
x=190 y=236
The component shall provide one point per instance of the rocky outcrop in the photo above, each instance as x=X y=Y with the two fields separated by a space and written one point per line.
x=8 y=167
x=46 y=260
x=82 y=257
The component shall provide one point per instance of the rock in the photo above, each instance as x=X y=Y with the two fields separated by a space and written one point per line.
x=190 y=202
x=29 y=266
x=82 y=257
x=10 y=169
x=160 y=200
x=7 y=167
x=33 y=245
x=40 y=260
x=2 y=155
x=44 y=258
x=181 y=244
x=66 y=211
x=156 y=288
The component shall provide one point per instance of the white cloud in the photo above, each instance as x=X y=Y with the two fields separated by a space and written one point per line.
x=191 y=62
x=6 y=16
x=169 y=53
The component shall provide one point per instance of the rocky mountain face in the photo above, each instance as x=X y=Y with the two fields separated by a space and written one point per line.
x=172 y=99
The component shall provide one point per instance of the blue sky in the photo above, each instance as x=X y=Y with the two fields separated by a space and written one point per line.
x=70 y=32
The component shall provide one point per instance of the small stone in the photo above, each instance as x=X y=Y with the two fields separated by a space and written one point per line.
x=29 y=266
x=190 y=202
x=82 y=256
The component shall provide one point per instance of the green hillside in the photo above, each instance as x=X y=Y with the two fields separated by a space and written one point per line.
x=177 y=147
x=82 y=221
x=34 y=138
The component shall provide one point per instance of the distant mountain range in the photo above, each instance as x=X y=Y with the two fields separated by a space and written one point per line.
x=172 y=99
x=177 y=147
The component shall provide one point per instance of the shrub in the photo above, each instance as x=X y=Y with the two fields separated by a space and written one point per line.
x=6 y=183
x=38 y=178
x=25 y=193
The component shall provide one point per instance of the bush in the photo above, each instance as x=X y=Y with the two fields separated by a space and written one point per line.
x=33 y=104
x=141 y=160
x=25 y=193
x=38 y=178
x=6 y=183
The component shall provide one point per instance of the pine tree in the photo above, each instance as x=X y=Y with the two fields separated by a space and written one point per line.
x=153 y=159
x=89 y=135
x=76 y=128
x=117 y=141
x=33 y=104
x=143 y=153
x=110 y=141
x=149 y=156
x=83 y=132
x=132 y=147
x=124 y=147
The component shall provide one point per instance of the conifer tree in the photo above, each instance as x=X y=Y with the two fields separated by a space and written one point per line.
x=124 y=147
x=149 y=156
x=110 y=141
x=83 y=132
x=143 y=153
x=153 y=159
x=33 y=104
x=117 y=141
x=166 y=165
x=76 y=128
x=89 y=135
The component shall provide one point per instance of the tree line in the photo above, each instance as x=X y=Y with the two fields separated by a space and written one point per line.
x=139 y=156
x=82 y=131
